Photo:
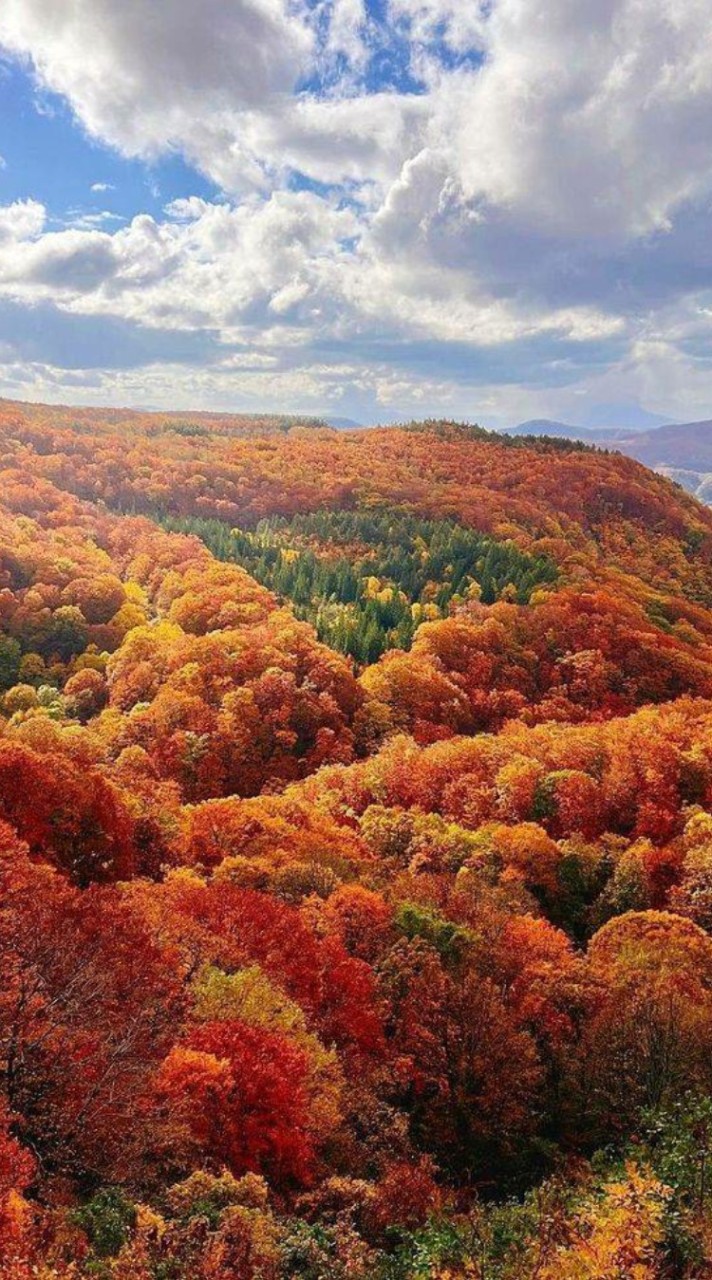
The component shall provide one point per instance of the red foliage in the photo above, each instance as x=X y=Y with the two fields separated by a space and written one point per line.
x=73 y=817
x=241 y=1094
x=444 y=881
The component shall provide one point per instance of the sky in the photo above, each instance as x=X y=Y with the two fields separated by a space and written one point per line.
x=376 y=209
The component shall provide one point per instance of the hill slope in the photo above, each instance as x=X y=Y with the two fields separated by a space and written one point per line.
x=682 y=452
x=355 y=833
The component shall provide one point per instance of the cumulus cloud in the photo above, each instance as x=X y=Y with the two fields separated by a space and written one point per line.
x=141 y=73
x=463 y=27
x=297 y=256
x=347 y=32
x=591 y=118
x=21 y=221
x=519 y=188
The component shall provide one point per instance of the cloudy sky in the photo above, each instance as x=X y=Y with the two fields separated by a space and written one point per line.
x=491 y=209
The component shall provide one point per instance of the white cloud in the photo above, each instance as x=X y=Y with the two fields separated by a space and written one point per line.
x=591 y=118
x=347 y=31
x=73 y=262
x=293 y=257
x=100 y=187
x=588 y=117
x=21 y=221
x=81 y=220
x=541 y=204
x=462 y=26
x=148 y=74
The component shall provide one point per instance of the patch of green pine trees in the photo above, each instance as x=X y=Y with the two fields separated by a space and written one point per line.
x=325 y=563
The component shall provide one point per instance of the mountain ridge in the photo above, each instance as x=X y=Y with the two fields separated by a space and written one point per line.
x=682 y=451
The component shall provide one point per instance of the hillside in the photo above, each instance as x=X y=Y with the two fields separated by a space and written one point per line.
x=682 y=452
x=355 y=852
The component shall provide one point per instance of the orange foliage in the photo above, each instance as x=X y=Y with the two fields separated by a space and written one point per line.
x=461 y=900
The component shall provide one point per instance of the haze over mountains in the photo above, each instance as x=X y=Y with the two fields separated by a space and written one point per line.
x=681 y=451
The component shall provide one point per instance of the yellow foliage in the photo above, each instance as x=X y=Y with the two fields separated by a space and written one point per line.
x=128 y=617
x=250 y=996
x=618 y=1237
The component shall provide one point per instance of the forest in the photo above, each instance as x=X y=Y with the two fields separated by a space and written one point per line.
x=355 y=854
x=366 y=580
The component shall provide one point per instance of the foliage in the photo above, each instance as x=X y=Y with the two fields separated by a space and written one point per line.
x=365 y=580
x=108 y=1220
x=391 y=968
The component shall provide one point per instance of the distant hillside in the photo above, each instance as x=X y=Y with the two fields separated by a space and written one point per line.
x=563 y=430
x=682 y=451
x=688 y=446
x=190 y=423
x=342 y=424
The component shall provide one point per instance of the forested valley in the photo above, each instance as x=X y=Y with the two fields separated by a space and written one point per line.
x=355 y=854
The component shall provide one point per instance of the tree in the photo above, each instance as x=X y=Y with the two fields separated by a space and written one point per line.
x=238 y=1094
x=648 y=1035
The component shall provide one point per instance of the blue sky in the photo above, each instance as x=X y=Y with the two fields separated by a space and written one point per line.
x=471 y=208
x=50 y=157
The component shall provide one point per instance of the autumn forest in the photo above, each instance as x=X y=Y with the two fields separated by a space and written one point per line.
x=355 y=854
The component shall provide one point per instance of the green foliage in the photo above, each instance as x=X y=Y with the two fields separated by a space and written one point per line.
x=248 y=995
x=229 y=425
x=579 y=885
x=66 y=634
x=108 y=1220
x=678 y=1147
x=187 y=429
x=206 y=1195
x=560 y=444
x=492 y=1241
x=544 y=805
x=448 y=429
x=445 y=429
x=366 y=579
x=308 y=1252
x=10 y=657
x=447 y=938
x=441 y=1244
x=679 y=1142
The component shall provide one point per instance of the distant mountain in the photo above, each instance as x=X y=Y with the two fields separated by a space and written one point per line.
x=563 y=430
x=342 y=424
x=687 y=445
x=682 y=451
x=629 y=417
